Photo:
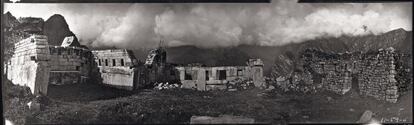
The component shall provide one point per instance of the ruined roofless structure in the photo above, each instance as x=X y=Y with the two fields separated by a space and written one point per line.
x=378 y=74
x=37 y=64
x=217 y=77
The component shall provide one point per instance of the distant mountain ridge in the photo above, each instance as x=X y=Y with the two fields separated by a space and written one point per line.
x=279 y=58
x=282 y=58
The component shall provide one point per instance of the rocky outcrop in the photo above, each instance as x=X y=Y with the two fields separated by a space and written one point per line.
x=11 y=35
x=9 y=20
x=56 y=29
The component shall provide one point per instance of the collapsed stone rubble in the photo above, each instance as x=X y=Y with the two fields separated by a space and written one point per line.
x=163 y=86
x=240 y=84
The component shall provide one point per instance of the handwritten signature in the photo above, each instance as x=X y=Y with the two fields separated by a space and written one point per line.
x=393 y=120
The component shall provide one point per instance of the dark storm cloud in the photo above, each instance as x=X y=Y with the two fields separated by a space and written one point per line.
x=212 y=25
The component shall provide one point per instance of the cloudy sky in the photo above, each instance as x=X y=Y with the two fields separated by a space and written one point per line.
x=126 y=25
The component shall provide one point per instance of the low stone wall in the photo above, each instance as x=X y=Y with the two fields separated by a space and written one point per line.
x=29 y=64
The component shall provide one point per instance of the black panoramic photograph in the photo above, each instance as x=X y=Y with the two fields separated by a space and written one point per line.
x=277 y=62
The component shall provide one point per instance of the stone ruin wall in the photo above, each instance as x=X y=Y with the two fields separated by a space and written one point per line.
x=376 y=76
x=331 y=72
x=115 y=68
x=376 y=73
x=37 y=64
x=69 y=65
x=208 y=78
x=29 y=65
x=201 y=81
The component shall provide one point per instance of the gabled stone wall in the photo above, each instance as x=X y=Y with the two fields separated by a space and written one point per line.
x=115 y=68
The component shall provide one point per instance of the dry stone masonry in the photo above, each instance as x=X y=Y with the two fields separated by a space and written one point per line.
x=377 y=73
x=330 y=71
x=383 y=74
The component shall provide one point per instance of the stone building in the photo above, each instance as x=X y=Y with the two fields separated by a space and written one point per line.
x=29 y=65
x=116 y=67
x=37 y=64
x=216 y=78
x=157 y=68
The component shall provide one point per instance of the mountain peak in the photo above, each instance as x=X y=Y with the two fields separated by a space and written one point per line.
x=8 y=13
x=56 y=29
x=57 y=16
x=10 y=20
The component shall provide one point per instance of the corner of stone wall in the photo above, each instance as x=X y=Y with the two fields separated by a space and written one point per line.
x=29 y=64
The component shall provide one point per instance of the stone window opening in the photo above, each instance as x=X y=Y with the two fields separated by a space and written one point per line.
x=207 y=75
x=122 y=62
x=172 y=72
x=77 y=68
x=239 y=72
x=113 y=62
x=222 y=75
x=187 y=75
x=33 y=58
x=51 y=50
x=99 y=62
x=106 y=62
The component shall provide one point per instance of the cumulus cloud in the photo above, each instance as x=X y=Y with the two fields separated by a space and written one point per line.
x=212 y=25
